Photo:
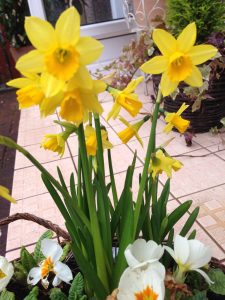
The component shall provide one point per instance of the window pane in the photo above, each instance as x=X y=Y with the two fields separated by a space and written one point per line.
x=93 y=11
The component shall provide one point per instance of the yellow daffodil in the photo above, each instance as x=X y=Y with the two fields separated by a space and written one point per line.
x=131 y=130
x=175 y=120
x=78 y=101
x=179 y=59
x=162 y=163
x=55 y=142
x=126 y=99
x=91 y=140
x=60 y=51
x=4 y=193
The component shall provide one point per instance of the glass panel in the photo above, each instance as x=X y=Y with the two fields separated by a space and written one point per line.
x=93 y=11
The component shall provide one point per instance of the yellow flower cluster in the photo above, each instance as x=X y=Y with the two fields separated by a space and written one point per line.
x=55 y=73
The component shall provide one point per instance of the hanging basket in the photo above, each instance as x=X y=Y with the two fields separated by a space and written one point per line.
x=212 y=109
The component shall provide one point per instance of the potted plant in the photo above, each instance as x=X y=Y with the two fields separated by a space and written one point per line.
x=206 y=104
x=121 y=241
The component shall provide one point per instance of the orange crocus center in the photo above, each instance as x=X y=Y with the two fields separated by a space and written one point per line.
x=146 y=294
x=47 y=267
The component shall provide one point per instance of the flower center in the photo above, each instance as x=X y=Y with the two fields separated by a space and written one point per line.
x=130 y=103
x=146 y=294
x=62 y=62
x=180 y=67
x=2 y=274
x=47 y=267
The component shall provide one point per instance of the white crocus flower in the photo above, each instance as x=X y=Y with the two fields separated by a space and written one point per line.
x=53 y=252
x=142 y=283
x=190 y=255
x=141 y=253
x=6 y=272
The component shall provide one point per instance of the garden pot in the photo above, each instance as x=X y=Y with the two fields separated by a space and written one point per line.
x=212 y=108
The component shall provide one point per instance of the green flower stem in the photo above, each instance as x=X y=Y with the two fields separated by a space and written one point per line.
x=179 y=275
x=100 y=146
x=97 y=240
x=150 y=150
x=113 y=184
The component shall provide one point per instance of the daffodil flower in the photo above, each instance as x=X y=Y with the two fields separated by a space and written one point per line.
x=175 y=120
x=141 y=253
x=55 y=142
x=78 y=101
x=179 y=59
x=60 y=51
x=142 y=284
x=6 y=272
x=4 y=193
x=126 y=99
x=163 y=163
x=190 y=255
x=52 y=264
x=132 y=130
x=91 y=140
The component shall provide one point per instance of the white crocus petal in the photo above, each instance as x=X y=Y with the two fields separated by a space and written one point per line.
x=158 y=268
x=34 y=276
x=63 y=272
x=51 y=248
x=135 y=281
x=200 y=254
x=141 y=252
x=181 y=249
x=45 y=283
x=208 y=280
x=56 y=281
x=7 y=269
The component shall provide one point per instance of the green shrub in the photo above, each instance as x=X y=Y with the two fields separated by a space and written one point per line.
x=209 y=16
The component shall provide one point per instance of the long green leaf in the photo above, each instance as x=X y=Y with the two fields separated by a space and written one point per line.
x=190 y=221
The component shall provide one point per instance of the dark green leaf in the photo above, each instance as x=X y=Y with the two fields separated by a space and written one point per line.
x=57 y=294
x=27 y=259
x=33 y=295
x=6 y=295
x=218 y=277
x=190 y=221
x=77 y=287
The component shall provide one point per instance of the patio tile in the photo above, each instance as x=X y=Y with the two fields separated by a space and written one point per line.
x=27 y=182
x=27 y=124
x=206 y=139
x=198 y=173
x=218 y=150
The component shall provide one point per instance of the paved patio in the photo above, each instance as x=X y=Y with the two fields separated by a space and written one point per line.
x=202 y=178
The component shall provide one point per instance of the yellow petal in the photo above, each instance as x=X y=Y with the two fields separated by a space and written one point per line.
x=168 y=128
x=182 y=109
x=132 y=85
x=19 y=82
x=166 y=43
x=99 y=86
x=201 y=53
x=90 y=102
x=40 y=33
x=81 y=79
x=51 y=85
x=187 y=38
x=195 y=79
x=4 y=193
x=114 y=111
x=89 y=49
x=167 y=86
x=31 y=62
x=68 y=27
x=156 y=65
x=89 y=131
x=49 y=105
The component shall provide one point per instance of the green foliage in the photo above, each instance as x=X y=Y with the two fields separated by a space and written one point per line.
x=209 y=16
x=218 y=277
x=57 y=294
x=12 y=16
x=66 y=250
x=33 y=295
x=20 y=273
x=38 y=256
x=76 y=291
x=6 y=295
x=27 y=259
x=198 y=295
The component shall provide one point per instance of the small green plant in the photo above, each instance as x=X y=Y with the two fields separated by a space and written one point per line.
x=209 y=16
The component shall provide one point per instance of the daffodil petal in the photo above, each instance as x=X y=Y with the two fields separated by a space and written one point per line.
x=19 y=82
x=166 y=43
x=167 y=86
x=68 y=27
x=195 y=79
x=49 y=105
x=187 y=38
x=156 y=65
x=52 y=249
x=201 y=53
x=40 y=33
x=31 y=62
x=81 y=79
x=133 y=84
x=168 y=128
x=114 y=112
x=89 y=49
x=182 y=109
x=51 y=85
x=99 y=86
